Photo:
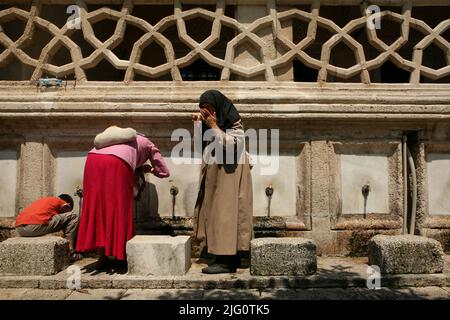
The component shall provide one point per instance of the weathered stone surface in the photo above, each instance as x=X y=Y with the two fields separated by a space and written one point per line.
x=97 y=294
x=283 y=256
x=159 y=255
x=163 y=294
x=406 y=254
x=34 y=256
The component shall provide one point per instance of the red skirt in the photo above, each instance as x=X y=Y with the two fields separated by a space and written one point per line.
x=107 y=212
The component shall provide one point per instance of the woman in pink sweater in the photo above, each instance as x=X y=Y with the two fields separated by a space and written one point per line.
x=106 y=222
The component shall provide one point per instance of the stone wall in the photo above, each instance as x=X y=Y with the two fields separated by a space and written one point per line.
x=329 y=153
x=310 y=69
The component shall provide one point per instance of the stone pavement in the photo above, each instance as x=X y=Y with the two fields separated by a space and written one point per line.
x=336 y=278
x=428 y=293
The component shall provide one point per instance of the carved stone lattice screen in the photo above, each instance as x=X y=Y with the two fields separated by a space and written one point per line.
x=158 y=42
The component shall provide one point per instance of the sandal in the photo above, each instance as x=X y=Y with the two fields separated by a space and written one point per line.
x=75 y=256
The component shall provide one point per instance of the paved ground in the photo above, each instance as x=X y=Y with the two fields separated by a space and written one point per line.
x=435 y=293
x=337 y=278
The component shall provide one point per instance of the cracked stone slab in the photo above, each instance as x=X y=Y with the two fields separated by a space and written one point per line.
x=97 y=294
x=406 y=254
x=231 y=294
x=163 y=294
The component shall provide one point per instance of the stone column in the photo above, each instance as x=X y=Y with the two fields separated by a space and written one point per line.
x=321 y=222
x=31 y=184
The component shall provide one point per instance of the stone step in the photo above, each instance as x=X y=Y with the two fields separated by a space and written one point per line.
x=403 y=254
x=158 y=255
x=34 y=255
x=283 y=256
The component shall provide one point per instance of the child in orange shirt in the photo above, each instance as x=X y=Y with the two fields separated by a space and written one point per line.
x=48 y=215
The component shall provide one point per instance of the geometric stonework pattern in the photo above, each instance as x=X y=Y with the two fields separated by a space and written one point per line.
x=272 y=48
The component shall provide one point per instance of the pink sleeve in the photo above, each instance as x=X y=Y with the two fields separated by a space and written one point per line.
x=158 y=163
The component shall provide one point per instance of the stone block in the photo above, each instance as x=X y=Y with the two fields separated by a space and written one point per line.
x=406 y=254
x=34 y=255
x=283 y=256
x=159 y=255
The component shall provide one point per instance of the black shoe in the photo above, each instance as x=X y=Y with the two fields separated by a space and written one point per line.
x=103 y=263
x=217 y=268
x=233 y=261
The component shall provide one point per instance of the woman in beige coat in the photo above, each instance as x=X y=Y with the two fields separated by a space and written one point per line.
x=224 y=207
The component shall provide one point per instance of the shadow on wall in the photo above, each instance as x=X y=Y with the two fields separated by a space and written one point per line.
x=148 y=221
x=357 y=243
x=145 y=210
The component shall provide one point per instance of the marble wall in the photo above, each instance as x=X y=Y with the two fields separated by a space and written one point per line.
x=8 y=183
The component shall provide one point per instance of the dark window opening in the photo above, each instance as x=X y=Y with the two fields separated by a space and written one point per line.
x=104 y=29
x=360 y=35
x=200 y=71
x=104 y=71
x=125 y=47
x=40 y=39
x=446 y=35
x=445 y=79
x=139 y=77
x=314 y=50
x=187 y=7
x=153 y=55
x=25 y=7
x=354 y=79
x=302 y=73
x=179 y=47
x=341 y=15
x=93 y=7
x=431 y=15
x=230 y=11
x=390 y=8
x=152 y=13
x=61 y=57
x=86 y=48
x=57 y=14
x=407 y=49
x=281 y=8
x=389 y=31
x=342 y=56
x=15 y=70
x=226 y=35
x=198 y=28
x=389 y=73
x=14 y=28
x=434 y=57
x=299 y=30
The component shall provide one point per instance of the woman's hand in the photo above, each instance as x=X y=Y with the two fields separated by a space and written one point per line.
x=147 y=168
x=208 y=118
x=196 y=117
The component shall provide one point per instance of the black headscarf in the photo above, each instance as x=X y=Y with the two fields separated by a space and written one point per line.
x=226 y=115
x=226 y=112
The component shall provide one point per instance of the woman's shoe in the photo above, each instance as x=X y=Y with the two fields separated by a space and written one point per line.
x=75 y=256
x=217 y=268
x=103 y=263
x=223 y=264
